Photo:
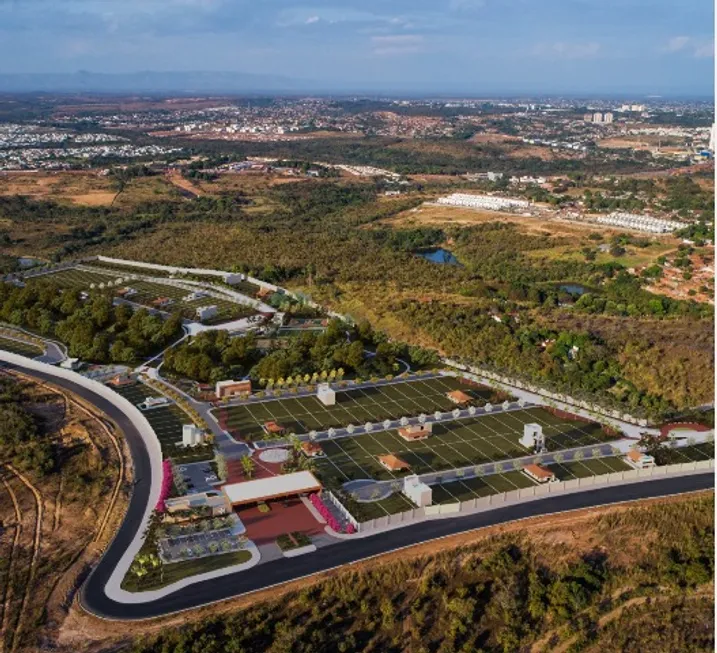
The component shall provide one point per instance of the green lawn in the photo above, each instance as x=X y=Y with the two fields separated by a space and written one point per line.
x=582 y=468
x=375 y=404
x=167 y=421
x=462 y=443
x=77 y=279
x=22 y=348
x=171 y=573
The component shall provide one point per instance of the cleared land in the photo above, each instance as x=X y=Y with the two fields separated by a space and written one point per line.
x=54 y=526
x=373 y=404
x=462 y=443
x=167 y=423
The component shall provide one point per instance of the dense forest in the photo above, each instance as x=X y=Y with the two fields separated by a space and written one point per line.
x=504 y=594
x=93 y=330
x=21 y=439
x=329 y=239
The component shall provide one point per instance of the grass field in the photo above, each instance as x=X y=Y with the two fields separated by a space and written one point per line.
x=17 y=347
x=461 y=443
x=77 y=279
x=167 y=423
x=304 y=414
x=148 y=291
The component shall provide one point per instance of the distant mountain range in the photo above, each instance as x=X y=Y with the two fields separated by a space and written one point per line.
x=149 y=82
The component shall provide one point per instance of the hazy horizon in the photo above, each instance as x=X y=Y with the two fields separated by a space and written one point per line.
x=630 y=48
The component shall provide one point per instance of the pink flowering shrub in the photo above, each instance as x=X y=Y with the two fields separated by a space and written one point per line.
x=326 y=514
x=167 y=479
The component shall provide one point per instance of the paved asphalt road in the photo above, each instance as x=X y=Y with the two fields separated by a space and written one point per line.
x=284 y=570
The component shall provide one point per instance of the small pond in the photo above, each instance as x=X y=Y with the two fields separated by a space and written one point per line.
x=574 y=288
x=439 y=255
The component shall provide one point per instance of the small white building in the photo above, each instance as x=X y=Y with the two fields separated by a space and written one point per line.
x=326 y=395
x=192 y=435
x=206 y=312
x=153 y=402
x=417 y=491
x=233 y=278
x=639 y=460
x=533 y=437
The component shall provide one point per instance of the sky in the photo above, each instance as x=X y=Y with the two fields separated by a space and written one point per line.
x=591 y=47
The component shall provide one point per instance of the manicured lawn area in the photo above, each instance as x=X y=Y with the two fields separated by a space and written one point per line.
x=462 y=443
x=148 y=291
x=17 y=347
x=171 y=573
x=78 y=279
x=695 y=452
x=583 y=468
x=479 y=487
x=167 y=423
x=374 y=404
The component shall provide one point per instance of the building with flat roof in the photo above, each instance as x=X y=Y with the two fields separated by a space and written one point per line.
x=539 y=474
x=192 y=435
x=393 y=463
x=272 y=487
x=216 y=502
x=639 y=460
x=207 y=312
x=417 y=491
x=326 y=395
x=415 y=432
x=231 y=388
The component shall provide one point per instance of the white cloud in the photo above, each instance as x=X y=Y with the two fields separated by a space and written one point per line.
x=705 y=51
x=563 y=50
x=677 y=43
x=396 y=44
x=311 y=19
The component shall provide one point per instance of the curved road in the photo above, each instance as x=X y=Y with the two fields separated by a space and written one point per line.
x=283 y=570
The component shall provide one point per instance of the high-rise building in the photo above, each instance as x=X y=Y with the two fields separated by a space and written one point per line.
x=713 y=137
x=597 y=117
x=588 y=117
x=607 y=118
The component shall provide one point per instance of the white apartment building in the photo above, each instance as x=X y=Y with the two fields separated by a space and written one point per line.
x=488 y=202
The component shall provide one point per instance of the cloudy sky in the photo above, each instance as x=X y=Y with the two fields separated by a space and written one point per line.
x=472 y=46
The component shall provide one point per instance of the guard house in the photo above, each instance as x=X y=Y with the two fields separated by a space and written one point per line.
x=533 y=438
x=311 y=449
x=459 y=397
x=326 y=395
x=415 y=432
x=232 y=388
x=393 y=463
x=272 y=428
x=539 y=474
x=639 y=460
x=192 y=435
x=417 y=491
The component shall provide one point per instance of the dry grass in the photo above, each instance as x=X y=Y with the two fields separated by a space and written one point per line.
x=83 y=188
x=55 y=528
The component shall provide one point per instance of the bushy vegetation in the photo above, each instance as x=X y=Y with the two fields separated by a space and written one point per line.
x=21 y=441
x=502 y=595
x=93 y=329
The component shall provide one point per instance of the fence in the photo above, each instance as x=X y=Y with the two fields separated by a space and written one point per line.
x=497 y=500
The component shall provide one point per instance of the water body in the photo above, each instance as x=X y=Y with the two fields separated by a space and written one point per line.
x=574 y=288
x=439 y=255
